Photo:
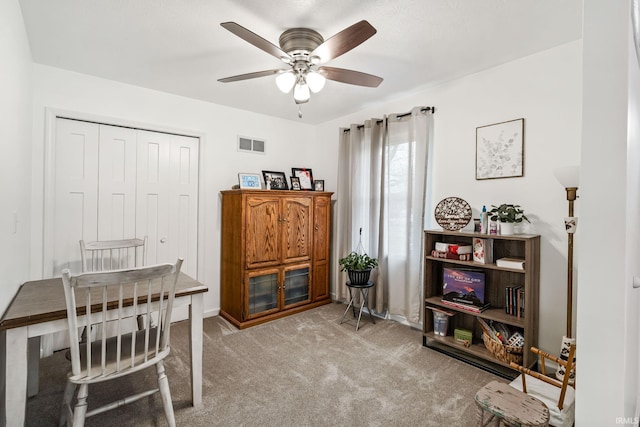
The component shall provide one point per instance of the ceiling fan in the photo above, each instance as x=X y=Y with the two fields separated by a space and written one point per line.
x=303 y=50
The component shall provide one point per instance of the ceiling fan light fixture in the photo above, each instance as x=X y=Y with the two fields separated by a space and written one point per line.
x=315 y=81
x=286 y=81
x=303 y=49
x=301 y=91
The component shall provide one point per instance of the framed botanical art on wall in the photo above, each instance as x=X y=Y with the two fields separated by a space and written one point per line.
x=306 y=177
x=500 y=150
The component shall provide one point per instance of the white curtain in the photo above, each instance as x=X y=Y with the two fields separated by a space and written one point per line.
x=382 y=184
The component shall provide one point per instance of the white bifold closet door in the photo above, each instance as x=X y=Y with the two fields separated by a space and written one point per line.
x=167 y=197
x=114 y=182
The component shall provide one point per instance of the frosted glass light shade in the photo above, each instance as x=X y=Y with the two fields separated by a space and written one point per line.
x=301 y=92
x=285 y=81
x=315 y=81
x=568 y=176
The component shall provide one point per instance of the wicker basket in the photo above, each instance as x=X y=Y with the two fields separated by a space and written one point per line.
x=502 y=352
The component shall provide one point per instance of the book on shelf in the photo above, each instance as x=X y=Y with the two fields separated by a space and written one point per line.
x=442 y=247
x=454 y=248
x=515 y=263
x=466 y=307
x=520 y=304
x=460 y=249
x=464 y=289
x=514 y=300
x=482 y=250
x=449 y=255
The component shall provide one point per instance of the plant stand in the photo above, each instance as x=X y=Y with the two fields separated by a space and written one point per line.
x=363 y=291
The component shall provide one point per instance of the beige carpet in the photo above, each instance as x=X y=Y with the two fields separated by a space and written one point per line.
x=302 y=370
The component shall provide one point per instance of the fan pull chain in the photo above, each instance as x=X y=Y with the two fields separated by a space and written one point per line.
x=300 y=112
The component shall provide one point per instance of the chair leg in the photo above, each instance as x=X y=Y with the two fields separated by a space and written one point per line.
x=69 y=391
x=165 y=392
x=490 y=421
x=80 y=410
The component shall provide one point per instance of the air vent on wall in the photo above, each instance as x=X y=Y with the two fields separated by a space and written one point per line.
x=251 y=145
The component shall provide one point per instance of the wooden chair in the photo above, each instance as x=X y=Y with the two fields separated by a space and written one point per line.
x=143 y=290
x=113 y=254
x=499 y=404
x=558 y=396
x=102 y=255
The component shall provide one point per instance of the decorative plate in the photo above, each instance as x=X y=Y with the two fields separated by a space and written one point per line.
x=453 y=213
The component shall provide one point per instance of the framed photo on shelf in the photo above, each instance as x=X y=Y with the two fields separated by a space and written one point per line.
x=250 y=181
x=305 y=176
x=500 y=150
x=275 y=180
x=295 y=183
x=318 y=185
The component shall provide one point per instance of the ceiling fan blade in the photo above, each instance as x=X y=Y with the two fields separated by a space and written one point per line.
x=249 y=76
x=344 y=41
x=257 y=41
x=350 y=77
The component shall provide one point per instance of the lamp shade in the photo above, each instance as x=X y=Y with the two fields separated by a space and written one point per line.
x=568 y=176
x=285 y=81
x=315 y=81
x=301 y=92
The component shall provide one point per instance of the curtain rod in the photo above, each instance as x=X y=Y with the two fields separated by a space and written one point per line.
x=422 y=110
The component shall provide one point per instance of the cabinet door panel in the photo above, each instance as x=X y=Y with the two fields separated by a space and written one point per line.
x=321 y=280
x=297 y=229
x=261 y=292
x=321 y=236
x=296 y=286
x=322 y=228
x=262 y=231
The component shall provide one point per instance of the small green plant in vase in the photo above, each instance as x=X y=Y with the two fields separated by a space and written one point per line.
x=507 y=215
x=358 y=267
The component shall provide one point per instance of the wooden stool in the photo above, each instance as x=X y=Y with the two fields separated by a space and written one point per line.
x=504 y=405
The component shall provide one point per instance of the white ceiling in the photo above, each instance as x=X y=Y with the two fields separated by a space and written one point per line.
x=178 y=46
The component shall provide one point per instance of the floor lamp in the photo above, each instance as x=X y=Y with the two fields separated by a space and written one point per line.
x=569 y=177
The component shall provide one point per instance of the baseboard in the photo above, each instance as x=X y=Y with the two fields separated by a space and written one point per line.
x=211 y=313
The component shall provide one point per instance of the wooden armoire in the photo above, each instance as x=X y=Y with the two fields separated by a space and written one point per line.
x=274 y=254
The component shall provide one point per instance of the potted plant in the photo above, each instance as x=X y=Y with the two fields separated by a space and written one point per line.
x=358 y=267
x=507 y=215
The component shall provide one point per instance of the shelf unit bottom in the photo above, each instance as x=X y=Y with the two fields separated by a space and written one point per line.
x=476 y=355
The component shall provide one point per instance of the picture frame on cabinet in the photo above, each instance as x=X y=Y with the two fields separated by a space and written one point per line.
x=500 y=150
x=275 y=180
x=295 y=183
x=250 y=181
x=318 y=185
x=306 y=177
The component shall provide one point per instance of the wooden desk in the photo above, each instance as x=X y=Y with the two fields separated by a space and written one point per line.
x=38 y=309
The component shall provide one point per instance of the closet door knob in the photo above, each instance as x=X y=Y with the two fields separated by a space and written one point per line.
x=163 y=240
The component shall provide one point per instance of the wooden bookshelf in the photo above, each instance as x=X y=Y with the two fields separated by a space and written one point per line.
x=523 y=246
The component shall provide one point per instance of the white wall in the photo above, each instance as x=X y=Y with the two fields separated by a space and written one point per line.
x=607 y=306
x=545 y=89
x=632 y=296
x=289 y=144
x=15 y=146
